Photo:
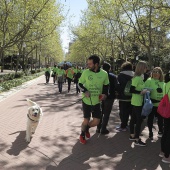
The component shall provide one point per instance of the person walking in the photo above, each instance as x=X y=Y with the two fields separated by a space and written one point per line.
x=69 y=76
x=165 y=140
x=54 y=73
x=76 y=78
x=47 y=73
x=125 y=107
x=155 y=84
x=108 y=103
x=94 y=84
x=137 y=90
x=60 y=78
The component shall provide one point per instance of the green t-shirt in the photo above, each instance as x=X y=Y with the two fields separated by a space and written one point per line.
x=93 y=82
x=154 y=84
x=137 y=99
x=166 y=89
x=75 y=70
x=60 y=72
x=48 y=70
x=55 y=69
x=70 y=73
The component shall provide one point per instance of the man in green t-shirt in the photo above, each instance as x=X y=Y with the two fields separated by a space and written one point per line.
x=94 y=85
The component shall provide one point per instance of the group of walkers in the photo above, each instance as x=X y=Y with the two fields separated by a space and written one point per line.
x=62 y=75
x=100 y=88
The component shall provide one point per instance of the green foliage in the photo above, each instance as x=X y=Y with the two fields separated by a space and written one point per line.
x=35 y=23
x=33 y=71
x=109 y=27
x=7 y=85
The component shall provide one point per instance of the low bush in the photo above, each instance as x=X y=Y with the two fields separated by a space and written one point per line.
x=7 y=85
x=33 y=71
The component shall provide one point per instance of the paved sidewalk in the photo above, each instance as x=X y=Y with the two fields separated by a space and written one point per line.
x=55 y=144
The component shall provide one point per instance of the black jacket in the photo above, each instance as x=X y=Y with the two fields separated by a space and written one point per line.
x=112 y=86
x=123 y=78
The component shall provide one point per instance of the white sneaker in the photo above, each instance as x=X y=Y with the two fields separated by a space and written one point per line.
x=166 y=160
x=117 y=127
x=161 y=154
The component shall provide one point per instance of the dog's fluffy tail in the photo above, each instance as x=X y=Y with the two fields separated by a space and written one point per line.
x=31 y=103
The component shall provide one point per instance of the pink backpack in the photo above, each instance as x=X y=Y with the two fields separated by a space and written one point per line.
x=164 y=106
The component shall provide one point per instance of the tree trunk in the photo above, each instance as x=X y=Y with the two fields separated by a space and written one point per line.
x=2 y=58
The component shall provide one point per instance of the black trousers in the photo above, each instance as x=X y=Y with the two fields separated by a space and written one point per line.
x=69 y=83
x=54 y=78
x=47 y=76
x=137 y=119
x=77 y=88
x=151 y=118
x=60 y=85
x=165 y=140
x=125 y=109
x=106 y=110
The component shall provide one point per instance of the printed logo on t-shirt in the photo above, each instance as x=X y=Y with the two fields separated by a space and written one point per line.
x=90 y=78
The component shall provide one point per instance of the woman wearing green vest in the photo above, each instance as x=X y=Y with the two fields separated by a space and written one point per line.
x=137 y=102
x=156 y=84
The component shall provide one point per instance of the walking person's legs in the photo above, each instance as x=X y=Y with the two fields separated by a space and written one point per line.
x=60 y=86
x=101 y=119
x=108 y=103
x=165 y=141
x=160 y=124
x=69 y=83
x=54 y=79
x=150 y=122
x=132 y=124
x=121 y=110
x=77 y=89
x=139 y=120
x=86 y=124
x=47 y=75
x=126 y=109
x=138 y=123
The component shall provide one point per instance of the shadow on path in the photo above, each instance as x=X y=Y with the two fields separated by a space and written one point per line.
x=19 y=144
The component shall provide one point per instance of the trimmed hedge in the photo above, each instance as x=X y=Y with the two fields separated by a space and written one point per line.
x=8 y=84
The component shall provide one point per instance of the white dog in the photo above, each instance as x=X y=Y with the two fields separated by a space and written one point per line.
x=33 y=118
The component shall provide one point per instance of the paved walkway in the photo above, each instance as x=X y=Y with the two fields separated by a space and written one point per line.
x=55 y=145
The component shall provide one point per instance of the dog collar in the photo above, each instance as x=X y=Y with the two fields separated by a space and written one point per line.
x=31 y=119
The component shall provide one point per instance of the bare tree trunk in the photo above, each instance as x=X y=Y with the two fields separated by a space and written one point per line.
x=2 y=58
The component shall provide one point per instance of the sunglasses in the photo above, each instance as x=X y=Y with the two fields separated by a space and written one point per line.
x=156 y=72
